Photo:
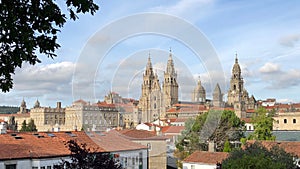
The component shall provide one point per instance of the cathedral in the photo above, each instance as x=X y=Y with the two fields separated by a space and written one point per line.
x=237 y=96
x=154 y=101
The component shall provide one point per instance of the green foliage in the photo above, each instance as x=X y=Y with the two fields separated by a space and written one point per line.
x=227 y=147
x=263 y=125
x=28 y=127
x=230 y=127
x=257 y=156
x=24 y=126
x=84 y=158
x=28 y=26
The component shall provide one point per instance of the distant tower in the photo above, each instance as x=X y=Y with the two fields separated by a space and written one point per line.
x=237 y=95
x=217 y=97
x=151 y=99
x=36 y=104
x=22 y=107
x=236 y=84
x=170 y=85
x=199 y=94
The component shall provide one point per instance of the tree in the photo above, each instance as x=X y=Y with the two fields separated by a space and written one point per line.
x=28 y=127
x=229 y=127
x=31 y=126
x=263 y=125
x=28 y=26
x=227 y=147
x=255 y=155
x=85 y=158
x=24 y=126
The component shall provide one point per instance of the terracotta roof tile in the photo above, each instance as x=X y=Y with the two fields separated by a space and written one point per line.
x=172 y=129
x=29 y=145
x=113 y=141
x=288 y=146
x=206 y=157
x=140 y=135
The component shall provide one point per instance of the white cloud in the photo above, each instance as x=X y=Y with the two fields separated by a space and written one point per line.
x=44 y=79
x=269 y=68
x=289 y=40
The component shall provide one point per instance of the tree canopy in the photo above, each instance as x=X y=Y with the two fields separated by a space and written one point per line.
x=28 y=127
x=255 y=155
x=31 y=26
x=85 y=158
x=229 y=128
x=263 y=125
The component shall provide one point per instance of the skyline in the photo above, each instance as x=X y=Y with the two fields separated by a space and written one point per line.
x=265 y=35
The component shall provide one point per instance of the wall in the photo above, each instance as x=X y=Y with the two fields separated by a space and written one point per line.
x=287 y=121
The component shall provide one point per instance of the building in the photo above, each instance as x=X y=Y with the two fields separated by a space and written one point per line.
x=44 y=150
x=157 y=146
x=286 y=121
x=82 y=115
x=204 y=160
x=199 y=93
x=237 y=96
x=47 y=118
x=154 y=102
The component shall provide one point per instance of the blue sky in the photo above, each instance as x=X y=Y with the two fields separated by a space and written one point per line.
x=264 y=34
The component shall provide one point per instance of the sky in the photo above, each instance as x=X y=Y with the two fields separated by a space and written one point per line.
x=108 y=51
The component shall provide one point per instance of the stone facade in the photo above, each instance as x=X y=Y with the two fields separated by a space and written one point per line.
x=154 y=102
x=199 y=93
x=287 y=121
x=237 y=95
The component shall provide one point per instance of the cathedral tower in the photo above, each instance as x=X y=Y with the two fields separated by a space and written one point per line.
x=236 y=84
x=150 y=101
x=170 y=85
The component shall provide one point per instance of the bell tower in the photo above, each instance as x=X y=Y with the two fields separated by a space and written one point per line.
x=170 y=85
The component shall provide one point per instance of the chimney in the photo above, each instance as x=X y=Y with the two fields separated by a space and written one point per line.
x=58 y=105
x=211 y=146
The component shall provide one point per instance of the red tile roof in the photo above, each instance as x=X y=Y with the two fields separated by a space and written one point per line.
x=140 y=135
x=247 y=120
x=113 y=141
x=41 y=146
x=205 y=157
x=288 y=146
x=172 y=129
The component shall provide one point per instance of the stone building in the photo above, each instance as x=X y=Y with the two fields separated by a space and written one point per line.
x=154 y=102
x=47 y=118
x=237 y=95
x=91 y=117
x=199 y=94
x=218 y=97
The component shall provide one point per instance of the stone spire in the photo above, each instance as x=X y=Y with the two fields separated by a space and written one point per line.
x=149 y=69
x=170 y=66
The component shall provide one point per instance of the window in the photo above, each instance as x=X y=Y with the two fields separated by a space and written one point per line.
x=43 y=167
x=35 y=167
x=192 y=166
x=249 y=127
x=48 y=167
x=11 y=166
x=294 y=121
x=284 y=121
